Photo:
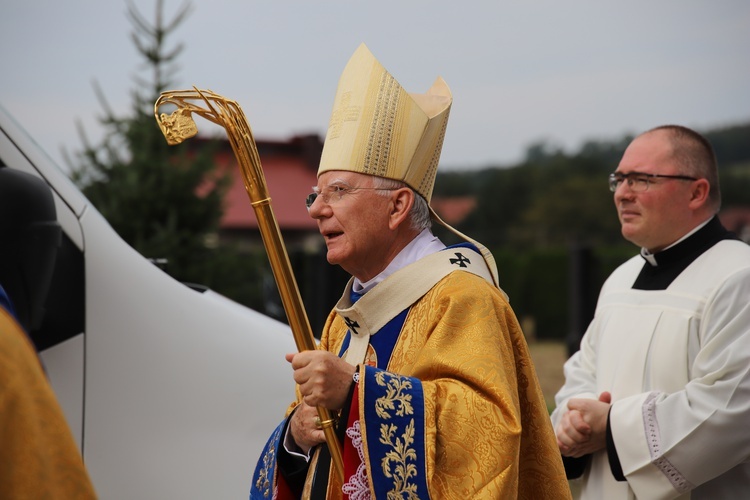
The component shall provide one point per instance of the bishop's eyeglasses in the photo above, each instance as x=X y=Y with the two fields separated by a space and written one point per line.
x=334 y=192
x=638 y=182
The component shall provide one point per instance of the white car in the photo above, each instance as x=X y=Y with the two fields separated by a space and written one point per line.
x=170 y=392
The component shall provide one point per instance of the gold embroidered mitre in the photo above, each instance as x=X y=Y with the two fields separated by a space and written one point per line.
x=377 y=128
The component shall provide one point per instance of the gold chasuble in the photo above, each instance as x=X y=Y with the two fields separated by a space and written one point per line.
x=446 y=406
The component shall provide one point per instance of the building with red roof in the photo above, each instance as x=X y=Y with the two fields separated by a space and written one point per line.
x=290 y=169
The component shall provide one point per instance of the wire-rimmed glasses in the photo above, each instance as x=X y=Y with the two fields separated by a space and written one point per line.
x=334 y=192
x=638 y=182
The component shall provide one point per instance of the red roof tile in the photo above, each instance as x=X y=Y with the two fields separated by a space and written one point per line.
x=454 y=210
x=289 y=176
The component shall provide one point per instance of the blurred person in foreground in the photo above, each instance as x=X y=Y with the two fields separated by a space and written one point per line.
x=39 y=457
x=38 y=454
x=656 y=404
x=422 y=359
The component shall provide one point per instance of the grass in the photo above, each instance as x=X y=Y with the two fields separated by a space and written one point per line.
x=549 y=357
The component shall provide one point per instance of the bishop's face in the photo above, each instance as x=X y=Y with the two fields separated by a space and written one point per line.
x=353 y=219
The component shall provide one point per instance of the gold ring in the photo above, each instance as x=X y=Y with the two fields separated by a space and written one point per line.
x=318 y=423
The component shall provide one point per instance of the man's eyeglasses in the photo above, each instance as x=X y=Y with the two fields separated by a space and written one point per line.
x=334 y=192
x=638 y=182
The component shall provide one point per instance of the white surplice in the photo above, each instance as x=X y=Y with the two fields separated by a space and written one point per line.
x=677 y=363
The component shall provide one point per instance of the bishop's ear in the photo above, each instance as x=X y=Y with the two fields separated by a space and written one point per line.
x=401 y=203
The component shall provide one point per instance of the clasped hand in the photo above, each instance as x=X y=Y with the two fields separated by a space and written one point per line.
x=583 y=428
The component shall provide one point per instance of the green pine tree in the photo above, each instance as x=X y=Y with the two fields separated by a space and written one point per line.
x=165 y=201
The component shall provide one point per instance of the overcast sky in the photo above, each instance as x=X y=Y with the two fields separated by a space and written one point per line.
x=520 y=72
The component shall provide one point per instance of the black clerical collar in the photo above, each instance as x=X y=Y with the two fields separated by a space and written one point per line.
x=675 y=259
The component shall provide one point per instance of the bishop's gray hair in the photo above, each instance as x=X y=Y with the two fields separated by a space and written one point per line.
x=420 y=210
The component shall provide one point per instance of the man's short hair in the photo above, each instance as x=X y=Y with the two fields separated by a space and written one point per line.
x=696 y=156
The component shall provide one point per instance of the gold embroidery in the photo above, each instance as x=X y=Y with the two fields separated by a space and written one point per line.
x=378 y=152
x=394 y=463
x=263 y=483
x=394 y=393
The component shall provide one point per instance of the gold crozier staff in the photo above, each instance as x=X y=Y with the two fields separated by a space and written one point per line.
x=177 y=127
